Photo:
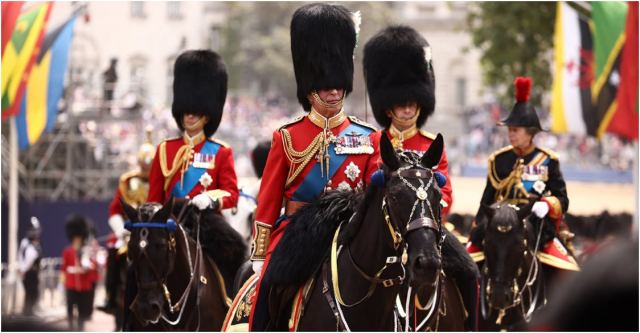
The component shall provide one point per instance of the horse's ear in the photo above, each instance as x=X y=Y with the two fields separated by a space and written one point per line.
x=388 y=154
x=165 y=212
x=432 y=157
x=129 y=211
x=488 y=211
x=525 y=210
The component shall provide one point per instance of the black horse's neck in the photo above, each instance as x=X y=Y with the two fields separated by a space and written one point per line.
x=369 y=249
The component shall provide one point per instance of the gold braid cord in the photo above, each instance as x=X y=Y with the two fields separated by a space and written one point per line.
x=299 y=159
x=504 y=187
x=180 y=162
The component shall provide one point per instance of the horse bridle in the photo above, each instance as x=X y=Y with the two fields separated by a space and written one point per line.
x=417 y=171
x=396 y=233
x=516 y=291
x=171 y=226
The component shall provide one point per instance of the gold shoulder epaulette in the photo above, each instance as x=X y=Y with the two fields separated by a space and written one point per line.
x=362 y=123
x=131 y=173
x=220 y=142
x=428 y=135
x=552 y=154
x=500 y=151
x=292 y=121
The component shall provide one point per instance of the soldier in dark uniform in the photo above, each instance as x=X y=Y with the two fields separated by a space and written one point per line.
x=522 y=170
x=29 y=256
x=323 y=150
x=400 y=79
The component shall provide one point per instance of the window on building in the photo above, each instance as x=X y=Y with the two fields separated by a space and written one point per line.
x=215 y=42
x=461 y=91
x=138 y=75
x=137 y=9
x=170 y=62
x=173 y=10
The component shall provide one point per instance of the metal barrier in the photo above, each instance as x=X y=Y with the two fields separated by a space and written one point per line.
x=50 y=294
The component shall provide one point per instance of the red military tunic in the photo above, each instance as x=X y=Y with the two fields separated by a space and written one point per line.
x=419 y=141
x=77 y=278
x=288 y=182
x=177 y=169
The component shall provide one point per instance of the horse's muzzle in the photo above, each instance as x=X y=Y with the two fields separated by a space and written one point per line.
x=147 y=310
x=424 y=270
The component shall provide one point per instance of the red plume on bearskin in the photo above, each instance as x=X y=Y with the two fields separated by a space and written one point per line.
x=523 y=88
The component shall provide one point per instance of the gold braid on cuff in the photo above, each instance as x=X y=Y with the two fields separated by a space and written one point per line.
x=262 y=232
x=555 y=211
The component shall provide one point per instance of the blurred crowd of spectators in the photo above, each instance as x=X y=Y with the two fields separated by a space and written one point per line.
x=482 y=137
x=248 y=120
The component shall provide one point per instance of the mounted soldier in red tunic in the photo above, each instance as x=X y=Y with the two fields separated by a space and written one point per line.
x=323 y=150
x=398 y=69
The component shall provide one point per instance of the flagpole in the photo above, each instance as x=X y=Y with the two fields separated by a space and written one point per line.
x=13 y=210
x=636 y=212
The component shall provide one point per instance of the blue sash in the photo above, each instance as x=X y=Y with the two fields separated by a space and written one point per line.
x=192 y=175
x=314 y=182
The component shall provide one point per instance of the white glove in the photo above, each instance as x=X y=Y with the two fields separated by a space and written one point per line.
x=116 y=222
x=540 y=208
x=202 y=201
x=257 y=266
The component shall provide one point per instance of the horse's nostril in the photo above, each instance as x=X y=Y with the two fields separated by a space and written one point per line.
x=422 y=262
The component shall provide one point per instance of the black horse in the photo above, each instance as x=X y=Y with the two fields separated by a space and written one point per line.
x=391 y=238
x=179 y=286
x=438 y=305
x=512 y=283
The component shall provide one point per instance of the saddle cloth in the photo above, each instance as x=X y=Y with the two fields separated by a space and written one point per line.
x=237 y=319
x=553 y=254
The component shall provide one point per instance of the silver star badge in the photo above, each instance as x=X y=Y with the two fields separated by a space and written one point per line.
x=344 y=186
x=539 y=186
x=352 y=171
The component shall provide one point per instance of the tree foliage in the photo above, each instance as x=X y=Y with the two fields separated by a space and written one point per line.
x=257 y=48
x=515 y=39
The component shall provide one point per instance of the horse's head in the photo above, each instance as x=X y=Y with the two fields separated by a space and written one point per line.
x=152 y=252
x=412 y=203
x=505 y=247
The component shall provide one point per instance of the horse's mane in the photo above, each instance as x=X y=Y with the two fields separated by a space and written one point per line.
x=219 y=240
x=351 y=229
x=306 y=241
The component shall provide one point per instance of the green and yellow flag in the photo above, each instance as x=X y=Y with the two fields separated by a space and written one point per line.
x=19 y=55
x=608 y=41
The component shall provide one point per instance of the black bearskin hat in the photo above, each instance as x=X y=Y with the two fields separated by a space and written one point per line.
x=522 y=115
x=323 y=39
x=398 y=70
x=199 y=87
x=76 y=225
x=259 y=157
